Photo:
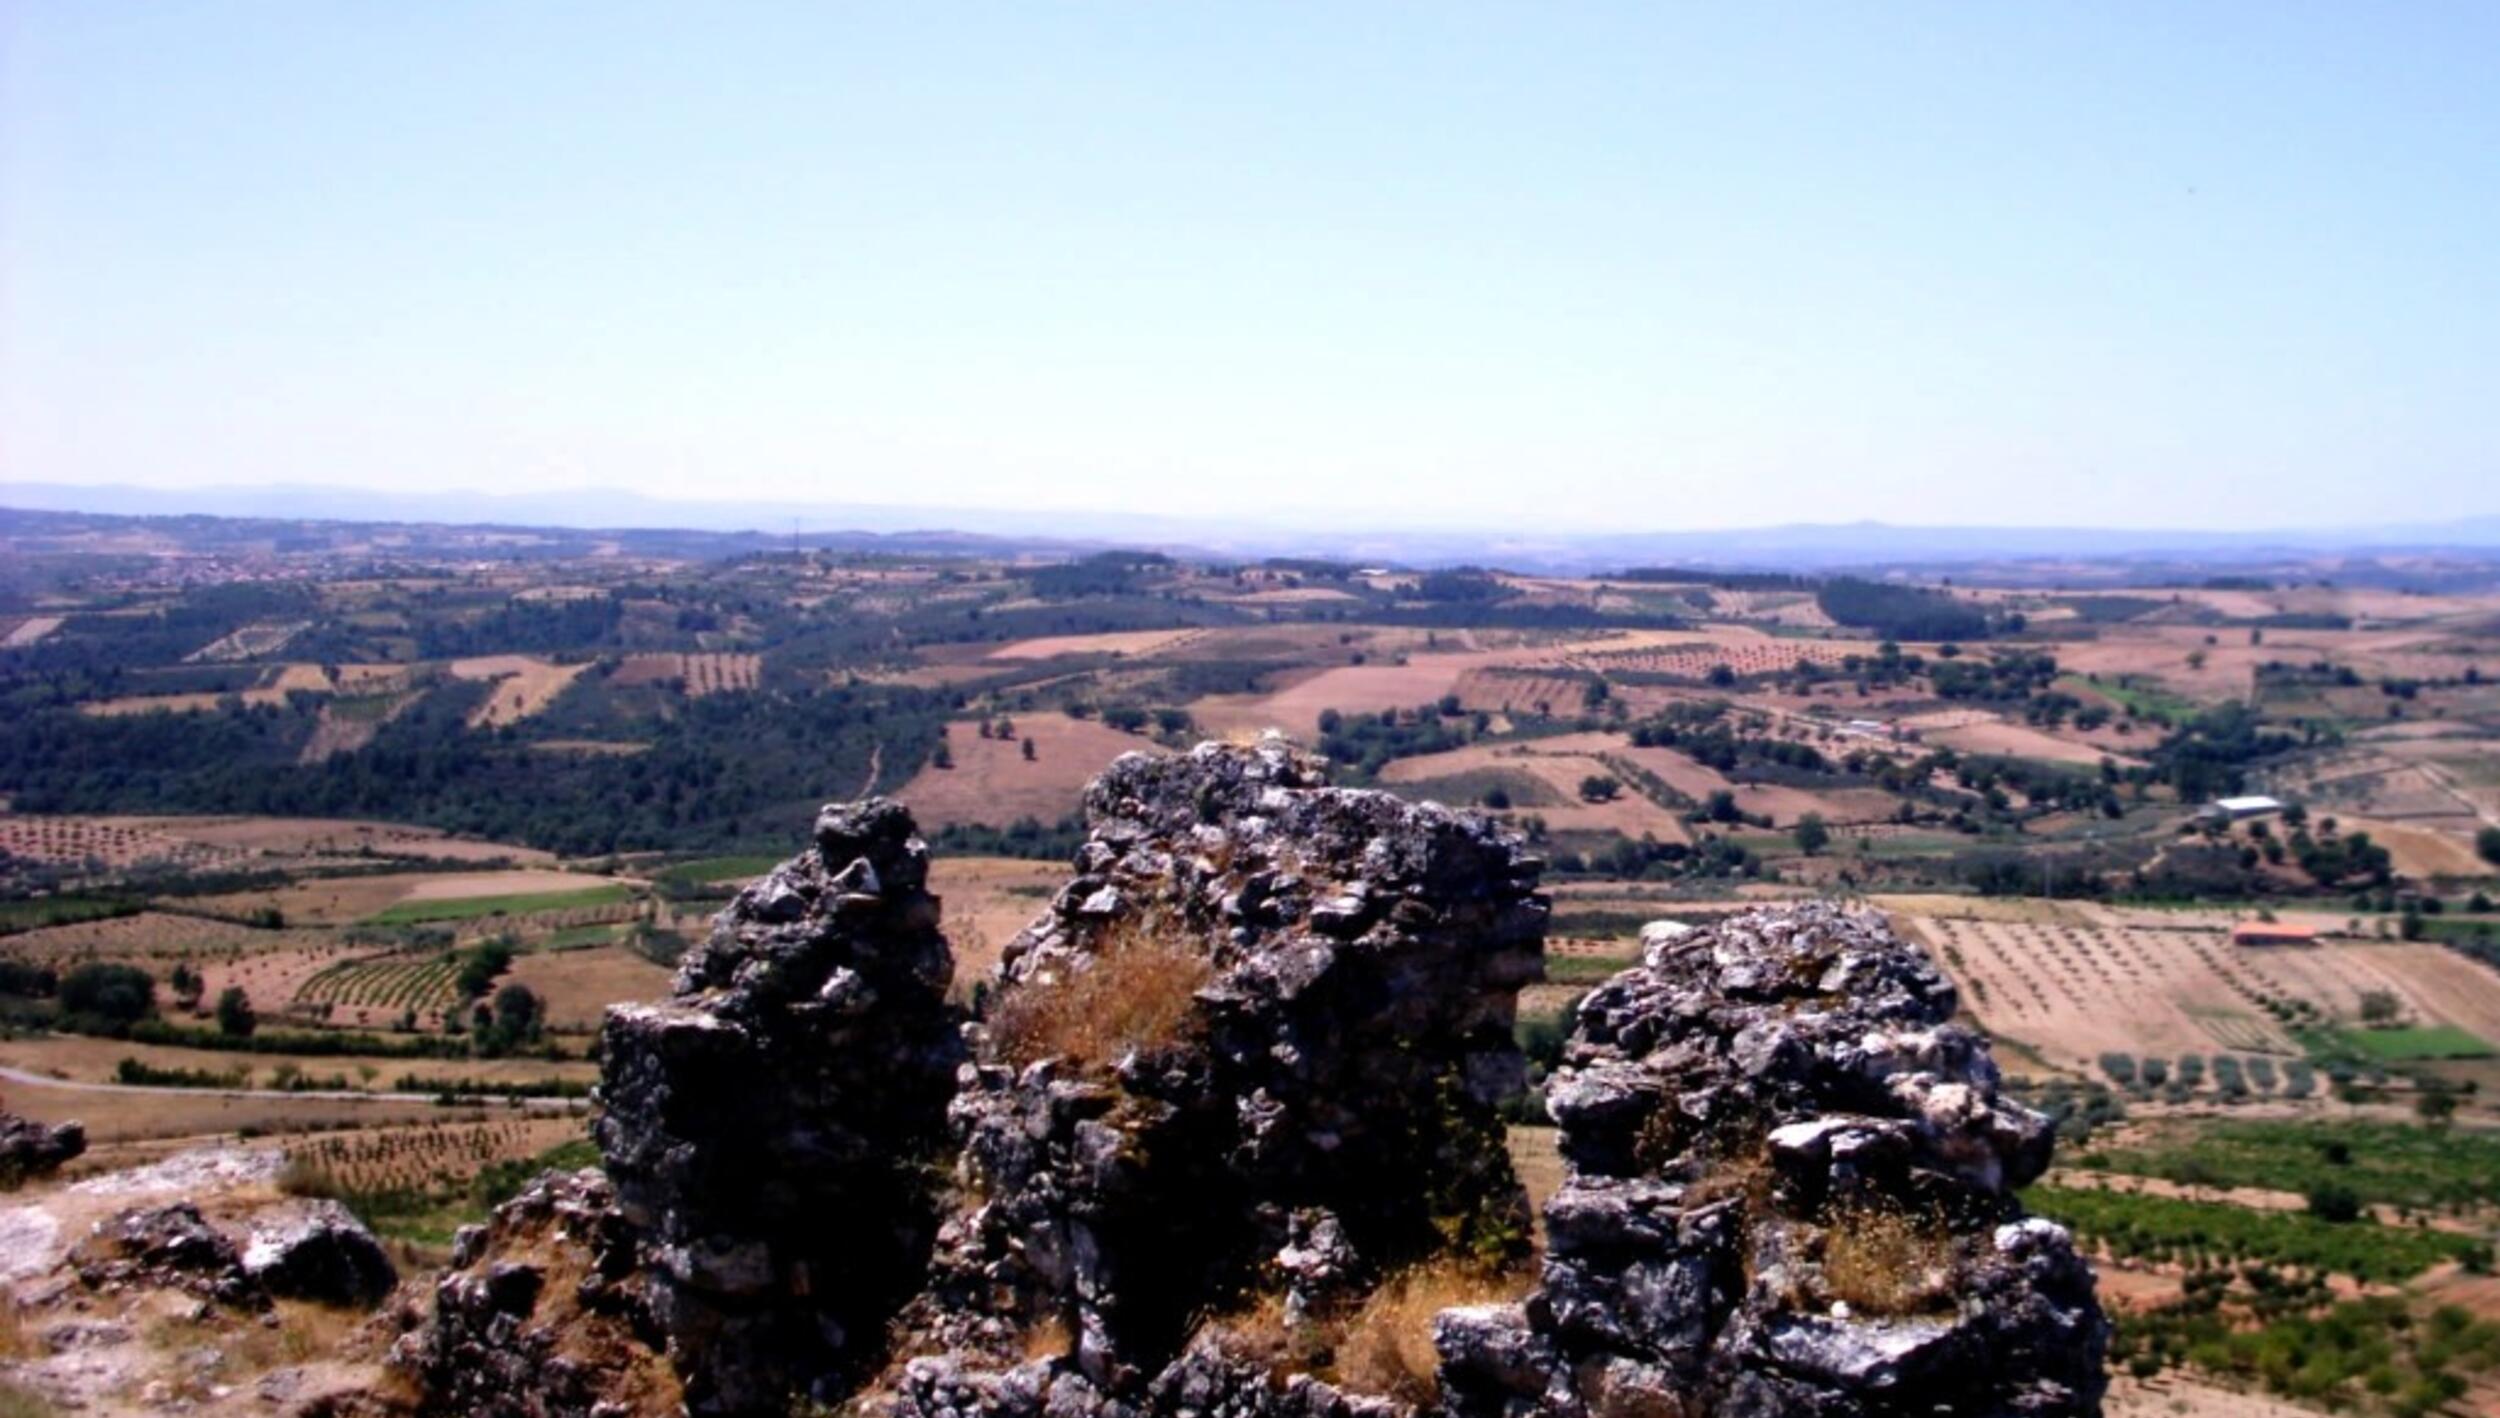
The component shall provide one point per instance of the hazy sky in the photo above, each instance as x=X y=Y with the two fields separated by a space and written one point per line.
x=1637 y=266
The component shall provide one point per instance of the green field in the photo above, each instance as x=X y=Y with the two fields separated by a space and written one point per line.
x=578 y=938
x=2413 y=1044
x=410 y=913
x=61 y=911
x=709 y=870
x=2390 y=1163
x=1585 y=969
x=2176 y=1230
x=2147 y=700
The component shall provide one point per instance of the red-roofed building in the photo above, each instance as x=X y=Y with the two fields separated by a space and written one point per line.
x=2272 y=933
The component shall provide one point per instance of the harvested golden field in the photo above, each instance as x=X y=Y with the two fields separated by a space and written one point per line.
x=524 y=684
x=468 y=886
x=697 y=674
x=1980 y=732
x=2424 y=850
x=1553 y=776
x=2073 y=990
x=2176 y=1396
x=78 y=1058
x=987 y=900
x=1296 y=705
x=325 y=837
x=23 y=631
x=1136 y=643
x=272 y=691
x=579 y=985
x=993 y=783
x=116 y=1117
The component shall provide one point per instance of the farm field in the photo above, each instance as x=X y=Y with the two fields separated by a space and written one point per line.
x=524 y=684
x=701 y=674
x=987 y=901
x=649 y=719
x=28 y=630
x=578 y=904
x=993 y=783
x=1988 y=734
x=81 y=1058
x=579 y=985
x=1136 y=643
x=2075 y=991
x=112 y=1117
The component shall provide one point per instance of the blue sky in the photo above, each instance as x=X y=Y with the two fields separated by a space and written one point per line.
x=1553 y=266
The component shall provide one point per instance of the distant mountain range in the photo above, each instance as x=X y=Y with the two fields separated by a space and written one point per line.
x=997 y=530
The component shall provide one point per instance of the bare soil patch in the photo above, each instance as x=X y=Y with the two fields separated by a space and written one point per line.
x=1115 y=642
x=579 y=985
x=993 y=783
x=987 y=901
x=524 y=685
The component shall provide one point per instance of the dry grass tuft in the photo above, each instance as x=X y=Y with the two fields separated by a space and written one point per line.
x=1886 y=1262
x=1049 y=1338
x=1136 y=991
x=1387 y=1347
x=16 y=1340
x=303 y=1177
x=1266 y=1334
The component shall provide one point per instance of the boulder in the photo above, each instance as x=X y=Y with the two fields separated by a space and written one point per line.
x=30 y=1150
x=317 y=1250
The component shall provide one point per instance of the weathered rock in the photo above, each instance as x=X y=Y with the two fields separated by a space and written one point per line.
x=1319 y=1115
x=317 y=1250
x=543 y=1315
x=171 y=1247
x=30 y=1150
x=1237 y=1077
x=1788 y=1192
x=771 y=1128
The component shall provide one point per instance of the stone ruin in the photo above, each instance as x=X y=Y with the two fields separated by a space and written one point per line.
x=1222 y=1105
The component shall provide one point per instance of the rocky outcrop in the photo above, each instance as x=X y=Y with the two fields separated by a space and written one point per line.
x=1789 y=1192
x=1326 y=981
x=296 y=1250
x=164 y=1247
x=772 y=1128
x=1228 y=1103
x=544 y=1312
x=30 y=1150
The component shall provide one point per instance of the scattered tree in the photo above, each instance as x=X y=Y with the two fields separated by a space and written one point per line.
x=234 y=1013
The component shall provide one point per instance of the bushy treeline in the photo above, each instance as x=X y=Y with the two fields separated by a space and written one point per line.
x=1899 y=612
x=721 y=771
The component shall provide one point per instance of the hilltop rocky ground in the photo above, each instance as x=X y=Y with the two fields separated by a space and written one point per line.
x=1229 y=1117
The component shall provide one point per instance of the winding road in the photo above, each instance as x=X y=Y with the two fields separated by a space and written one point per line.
x=10 y=1074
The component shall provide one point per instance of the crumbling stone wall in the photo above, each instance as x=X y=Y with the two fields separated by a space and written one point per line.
x=1323 y=1116
x=1248 y=1059
x=773 y=1128
x=1789 y=1192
